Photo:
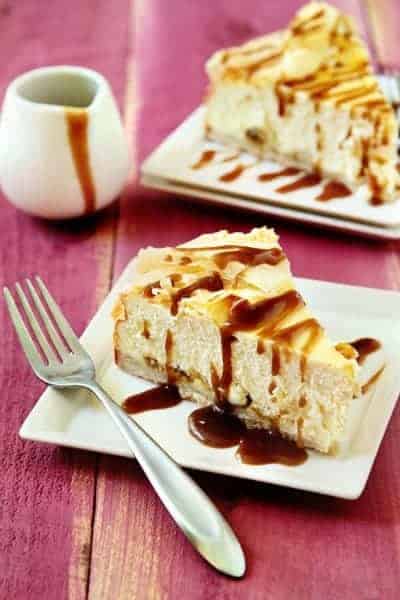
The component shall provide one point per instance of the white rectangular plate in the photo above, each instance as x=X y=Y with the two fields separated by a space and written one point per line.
x=298 y=216
x=171 y=165
x=74 y=419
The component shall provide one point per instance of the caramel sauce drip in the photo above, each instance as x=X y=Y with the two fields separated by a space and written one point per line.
x=215 y=427
x=227 y=339
x=303 y=366
x=319 y=136
x=255 y=135
x=77 y=126
x=267 y=314
x=282 y=100
x=259 y=447
x=206 y=157
x=156 y=285
x=230 y=158
x=245 y=316
x=164 y=396
x=212 y=283
x=169 y=347
x=290 y=171
x=376 y=190
x=364 y=347
x=146 y=330
x=303 y=27
x=376 y=201
x=148 y=289
x=218 y=427
x=221 y=429
x=264 y=62
x=215 y=380
x=319 y=88
x=234 y=174
x=309 y=180
x=276 y=360
x=250 y=257
x=260 y=347
x=244 y=254
x=342 y=98
x=310 y=327
x=332 y=190
x=371 y=382
x=364 y=156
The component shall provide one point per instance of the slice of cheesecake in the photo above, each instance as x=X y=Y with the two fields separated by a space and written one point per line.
x=221 y=319
x=306 y=97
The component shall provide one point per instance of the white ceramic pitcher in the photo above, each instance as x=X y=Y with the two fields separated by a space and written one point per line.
x=63 y=149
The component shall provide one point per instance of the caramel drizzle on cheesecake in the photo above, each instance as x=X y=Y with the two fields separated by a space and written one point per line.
x=245 y=316
x=310 y=327
x=247 y=255
x=169 y=347
x=265 y=316
x=211 y=283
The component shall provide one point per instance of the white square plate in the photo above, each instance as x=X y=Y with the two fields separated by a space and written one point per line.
x=74 y=419
x=169 y=167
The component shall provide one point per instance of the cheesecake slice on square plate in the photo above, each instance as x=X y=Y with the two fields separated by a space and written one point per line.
x=294 y=124
x=187 y=314
x=220 y=318
x=306 y=96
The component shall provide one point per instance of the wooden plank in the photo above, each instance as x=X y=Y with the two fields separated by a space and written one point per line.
x=298 y=545
x=47 y=493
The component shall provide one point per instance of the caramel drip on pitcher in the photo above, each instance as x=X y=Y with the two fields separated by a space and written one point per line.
x=77 y=126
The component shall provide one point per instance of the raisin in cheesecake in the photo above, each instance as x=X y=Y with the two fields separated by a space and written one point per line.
x=306 y=96
x=220 y=318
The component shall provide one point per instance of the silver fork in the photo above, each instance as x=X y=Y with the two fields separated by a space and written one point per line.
x=71 y=366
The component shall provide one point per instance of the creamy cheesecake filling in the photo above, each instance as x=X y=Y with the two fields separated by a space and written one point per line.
x=306 y=96
x=220 y=318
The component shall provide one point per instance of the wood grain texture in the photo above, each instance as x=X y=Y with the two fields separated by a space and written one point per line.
x=298 y=545
x=47 y=493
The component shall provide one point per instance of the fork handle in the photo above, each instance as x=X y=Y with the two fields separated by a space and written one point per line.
x=188 y=505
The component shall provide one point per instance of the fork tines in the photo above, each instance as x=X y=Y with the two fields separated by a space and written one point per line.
x=56 y=343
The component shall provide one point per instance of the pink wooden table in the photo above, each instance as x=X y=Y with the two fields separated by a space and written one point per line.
x=79 y=525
